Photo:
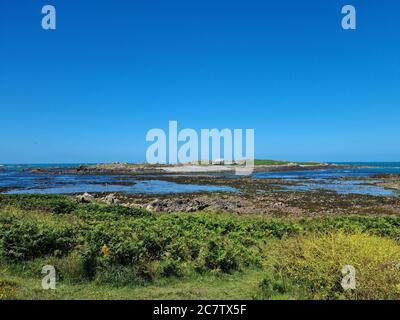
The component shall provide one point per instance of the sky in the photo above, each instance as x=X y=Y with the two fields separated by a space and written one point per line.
x=90 y=90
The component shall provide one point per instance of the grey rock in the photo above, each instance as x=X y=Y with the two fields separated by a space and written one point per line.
x=85 y=198
x=111 y=199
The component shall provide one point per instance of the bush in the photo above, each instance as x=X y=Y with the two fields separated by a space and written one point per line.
x=222 y=254
x=70 y=267
x=170 y=266
x=387 y=226
x=167 y=245
x=271 y=285
x=25 y=239
x=316 y=261
x=104 y=211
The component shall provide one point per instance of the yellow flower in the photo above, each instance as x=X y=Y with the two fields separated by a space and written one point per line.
x=105 y=250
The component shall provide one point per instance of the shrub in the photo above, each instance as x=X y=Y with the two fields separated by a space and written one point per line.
x=271 y=285
x=89 y=255
x=387 y=226
x=104 y=211
x=25 y=239
x=221 y=255
x=168 y=245
x=315 y=262
x=70 y=267
x=170 y=266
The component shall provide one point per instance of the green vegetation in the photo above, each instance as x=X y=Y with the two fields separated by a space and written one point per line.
x=45 y=203
x=314 y=263
x=259 y=162
x=103 y=252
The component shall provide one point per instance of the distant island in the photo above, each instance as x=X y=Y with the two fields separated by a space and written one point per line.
x=219 y=166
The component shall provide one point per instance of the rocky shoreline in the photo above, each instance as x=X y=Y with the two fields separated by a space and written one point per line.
x=390 y=181
x=260 y=197
x=253 y=196
x=146 y=169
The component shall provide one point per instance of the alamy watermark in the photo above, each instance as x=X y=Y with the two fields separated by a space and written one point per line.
x=349 y=21
x=49 y=280
x=349 y=279
x=187 y=146
x=49 y=18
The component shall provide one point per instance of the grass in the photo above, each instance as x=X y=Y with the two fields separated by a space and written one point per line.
x=237 y=286
x=259 y=162
x=117 y=252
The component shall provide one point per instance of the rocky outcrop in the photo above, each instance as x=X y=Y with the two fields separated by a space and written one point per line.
x=111 y=199
x=85 y=198
x=192 y=205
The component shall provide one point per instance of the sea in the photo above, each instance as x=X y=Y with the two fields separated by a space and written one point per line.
x=17 y=179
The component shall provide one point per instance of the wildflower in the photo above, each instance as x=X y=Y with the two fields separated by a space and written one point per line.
x=105 y=250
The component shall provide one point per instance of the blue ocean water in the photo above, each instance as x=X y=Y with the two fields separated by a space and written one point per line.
x=368 y=169
x=18 y=180
x=330 y=179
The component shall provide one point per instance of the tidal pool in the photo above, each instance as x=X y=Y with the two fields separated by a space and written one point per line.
x=148 y=187
x=341 y=187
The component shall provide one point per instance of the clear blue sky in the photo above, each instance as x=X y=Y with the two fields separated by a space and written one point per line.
x=90 y=90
